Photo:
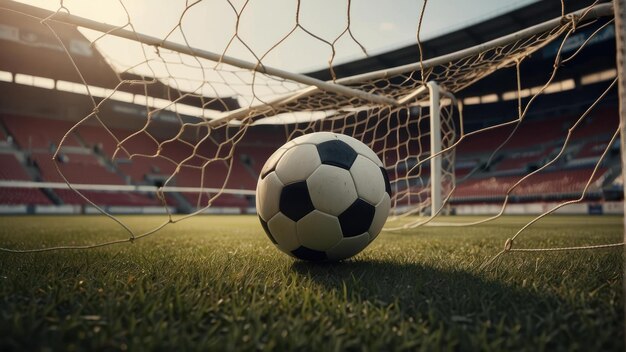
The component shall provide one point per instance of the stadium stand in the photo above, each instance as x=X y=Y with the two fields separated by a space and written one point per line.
x=17 y=196
x=11 y=168
x=213 y=176
x=106 y=198
x=591 y=149
x=521 y=153
x=601 y=125
x=98 y=139
x=524 y=152
x=223 y=200
x=247 y=162
x=37 y=125
x=549 y=185
x=139 y=167
x=86 y=169
x=76 y=168
x=461 y=172
x=137 y=143
x=38 y=133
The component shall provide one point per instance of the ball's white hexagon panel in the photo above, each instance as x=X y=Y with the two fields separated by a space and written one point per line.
x=283 y=230
x=368 y=179
x=288 y=145
x=360 y=148
x=315 y=138
x=268 y=196
x=348 y=247
x=270 y=163
x=319 y=231
x=331 y=189
x=380 y=216
x=298 y=163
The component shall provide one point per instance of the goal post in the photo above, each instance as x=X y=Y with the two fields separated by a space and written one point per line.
x=435 y=149
x=620 y=43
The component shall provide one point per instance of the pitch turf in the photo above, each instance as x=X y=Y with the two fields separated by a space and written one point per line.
x=216 y=283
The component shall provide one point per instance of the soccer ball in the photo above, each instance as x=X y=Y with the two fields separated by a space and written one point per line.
x=323 y=197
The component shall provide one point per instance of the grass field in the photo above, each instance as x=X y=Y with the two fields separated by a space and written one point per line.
x=216 y=283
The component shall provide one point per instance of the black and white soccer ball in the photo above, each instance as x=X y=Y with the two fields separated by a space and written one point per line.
x=323 y=197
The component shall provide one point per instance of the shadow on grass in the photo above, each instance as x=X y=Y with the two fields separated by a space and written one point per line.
x=469 y=305
x=415 y=286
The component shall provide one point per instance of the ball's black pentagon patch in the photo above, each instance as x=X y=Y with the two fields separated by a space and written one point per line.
x=295 y=201
x=337 y=153
x=387 y=183
x=267 y=230
x=305 y=253
x=357 y=218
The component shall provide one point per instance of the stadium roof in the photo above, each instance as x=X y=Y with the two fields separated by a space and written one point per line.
x=482 y=32
x=29 y=47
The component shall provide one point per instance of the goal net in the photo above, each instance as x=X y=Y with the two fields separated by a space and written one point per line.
x=192 y=126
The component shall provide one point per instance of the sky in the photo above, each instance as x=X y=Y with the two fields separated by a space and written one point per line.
x=378 y=25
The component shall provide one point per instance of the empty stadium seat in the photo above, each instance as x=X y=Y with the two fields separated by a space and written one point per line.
x=562 y=182
x=11 y=168
x=39 y=133
x=223 y=200
x=102 y=198
x=77 y=169
x=15 y=196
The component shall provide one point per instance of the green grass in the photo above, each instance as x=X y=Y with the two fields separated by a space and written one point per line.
x=217 y=283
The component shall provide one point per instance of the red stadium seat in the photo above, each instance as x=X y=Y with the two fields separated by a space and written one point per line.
x=39 y=133
x=77 y=169
x=11 y=169
x=15 y=196
x=102 y=198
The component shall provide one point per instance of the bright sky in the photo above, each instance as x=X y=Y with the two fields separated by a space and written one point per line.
x=378 y=25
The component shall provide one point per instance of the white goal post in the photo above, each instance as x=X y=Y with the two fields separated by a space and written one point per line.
x=620 y=38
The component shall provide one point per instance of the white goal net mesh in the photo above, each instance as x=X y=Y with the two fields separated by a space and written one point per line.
x=208 y=119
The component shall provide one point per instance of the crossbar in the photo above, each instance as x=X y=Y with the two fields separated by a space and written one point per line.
x=597 y=11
